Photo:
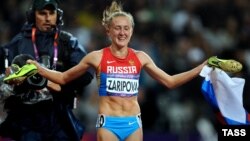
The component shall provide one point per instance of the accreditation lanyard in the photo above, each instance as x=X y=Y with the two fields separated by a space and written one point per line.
x=55 y=46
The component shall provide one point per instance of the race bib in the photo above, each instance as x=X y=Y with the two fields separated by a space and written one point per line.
x=122 y=86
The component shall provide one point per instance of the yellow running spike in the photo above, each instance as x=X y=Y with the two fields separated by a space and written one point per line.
x=21 y=74
x=228 y=65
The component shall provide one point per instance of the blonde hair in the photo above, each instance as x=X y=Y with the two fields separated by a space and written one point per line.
x=113 y=11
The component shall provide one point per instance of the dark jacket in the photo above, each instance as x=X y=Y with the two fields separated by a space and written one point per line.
x=70 y=52
x=46 y=116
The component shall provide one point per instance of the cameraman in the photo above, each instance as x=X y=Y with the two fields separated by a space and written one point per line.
x=49 y=118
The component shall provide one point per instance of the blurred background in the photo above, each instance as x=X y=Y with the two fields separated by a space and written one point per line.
x=178 y=35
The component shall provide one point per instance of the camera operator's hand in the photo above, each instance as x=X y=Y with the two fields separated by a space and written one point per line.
x=53 y=86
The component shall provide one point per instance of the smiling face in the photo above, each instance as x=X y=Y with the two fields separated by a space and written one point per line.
x=46 y=19
x=120 y=31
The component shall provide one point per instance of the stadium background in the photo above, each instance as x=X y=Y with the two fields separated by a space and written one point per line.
x=178 y=35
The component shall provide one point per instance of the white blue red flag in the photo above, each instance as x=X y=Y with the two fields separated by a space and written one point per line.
x=225 y=94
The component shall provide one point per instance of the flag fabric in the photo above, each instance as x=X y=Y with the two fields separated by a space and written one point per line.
x=225 y=95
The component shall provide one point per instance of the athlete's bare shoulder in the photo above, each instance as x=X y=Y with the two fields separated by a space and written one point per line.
x=94 y=57
x=138 y=52
x=96 y=53
x=142 y=56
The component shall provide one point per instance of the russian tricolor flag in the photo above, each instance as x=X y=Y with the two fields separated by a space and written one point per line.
x=225 y=94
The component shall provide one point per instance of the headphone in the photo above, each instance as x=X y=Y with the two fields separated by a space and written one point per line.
x=30 y=16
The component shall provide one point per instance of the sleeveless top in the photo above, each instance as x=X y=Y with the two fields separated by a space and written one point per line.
x=118 y=77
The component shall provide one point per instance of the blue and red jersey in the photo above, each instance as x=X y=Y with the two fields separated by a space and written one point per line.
x=118 y=77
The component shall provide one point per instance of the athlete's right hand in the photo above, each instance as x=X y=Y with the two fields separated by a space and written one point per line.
x=39 y=67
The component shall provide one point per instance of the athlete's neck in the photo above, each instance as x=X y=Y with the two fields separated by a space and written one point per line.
x=119 y=52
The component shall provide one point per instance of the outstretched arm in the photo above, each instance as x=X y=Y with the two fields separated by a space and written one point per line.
x=71 y=74
x=170 y=81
